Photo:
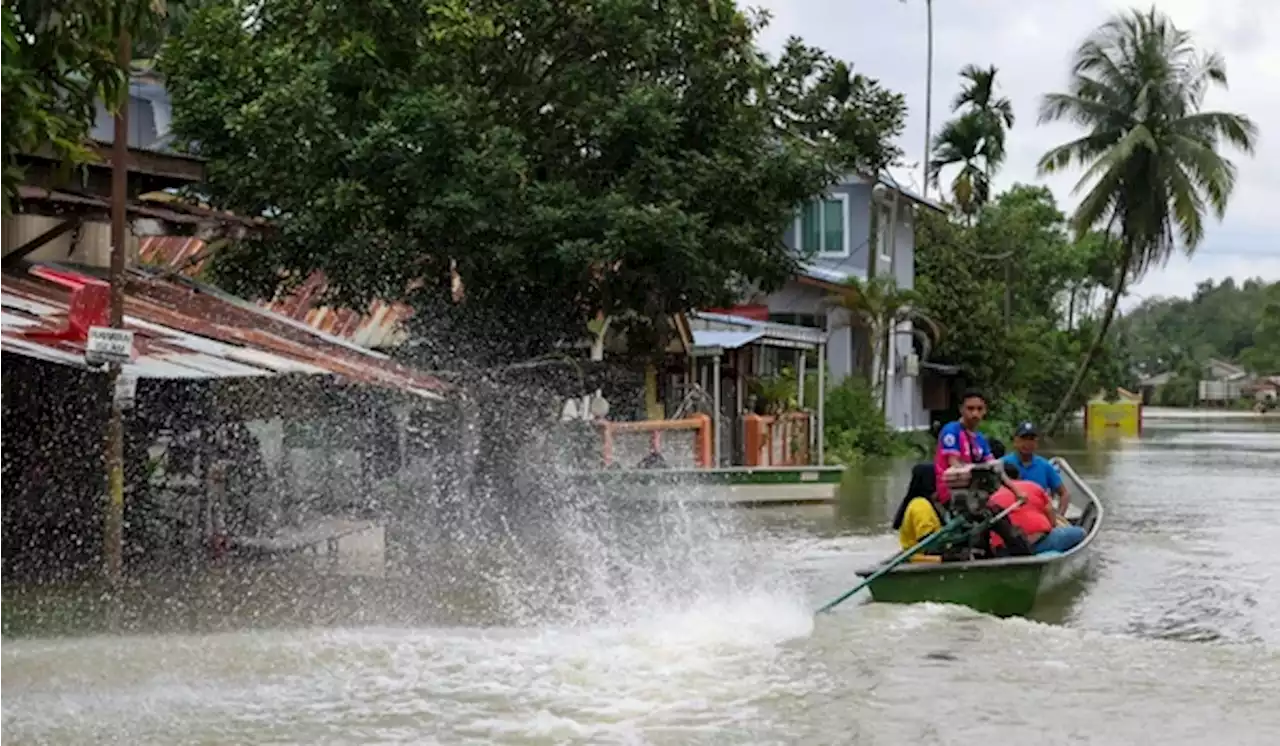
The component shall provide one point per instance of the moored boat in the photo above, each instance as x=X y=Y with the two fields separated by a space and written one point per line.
x=1008 y=586
x=739 y=486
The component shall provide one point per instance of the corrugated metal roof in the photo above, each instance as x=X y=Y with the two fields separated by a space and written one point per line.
x=187 y=330
x=380 y=327
x=724 y=339
x=769 y=330
x=833 y=275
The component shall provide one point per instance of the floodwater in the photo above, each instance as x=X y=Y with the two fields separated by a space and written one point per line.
x=695 y=627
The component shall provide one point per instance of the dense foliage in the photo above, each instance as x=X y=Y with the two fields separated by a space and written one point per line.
x=1004 y=292
x=1235 y=322
x=59 y=61
x=560 y=158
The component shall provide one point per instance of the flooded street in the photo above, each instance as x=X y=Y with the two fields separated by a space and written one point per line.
x=696 y=627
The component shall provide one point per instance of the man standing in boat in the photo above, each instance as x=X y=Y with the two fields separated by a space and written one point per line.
x=959 y=442
x=1035 y=468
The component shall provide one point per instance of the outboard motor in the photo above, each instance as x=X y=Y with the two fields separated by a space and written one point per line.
x=971 y=485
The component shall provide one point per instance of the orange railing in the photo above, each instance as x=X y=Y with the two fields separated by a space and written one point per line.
x=700 y=424
x=776 y=440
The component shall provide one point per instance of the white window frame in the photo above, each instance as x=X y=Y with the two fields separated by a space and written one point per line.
x=845 y=248
x=886 y=231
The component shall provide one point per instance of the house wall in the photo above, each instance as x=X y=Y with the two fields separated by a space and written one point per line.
x=905 y=405
x=798 y=298
x=858 y=217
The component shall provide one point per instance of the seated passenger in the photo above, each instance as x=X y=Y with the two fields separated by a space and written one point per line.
x=918 y=515
x=1035 y=468
x=1035 y=519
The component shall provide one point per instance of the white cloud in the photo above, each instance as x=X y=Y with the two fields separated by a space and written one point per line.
x=1031 y=42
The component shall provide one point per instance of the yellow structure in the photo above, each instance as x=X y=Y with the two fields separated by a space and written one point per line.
x=1122 y=417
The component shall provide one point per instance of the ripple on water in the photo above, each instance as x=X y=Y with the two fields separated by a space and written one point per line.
x=758 y=670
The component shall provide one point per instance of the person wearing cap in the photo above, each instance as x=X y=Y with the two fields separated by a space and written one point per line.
x=960 y=443
x=1035 y=468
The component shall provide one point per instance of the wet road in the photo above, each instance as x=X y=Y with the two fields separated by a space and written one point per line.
x=695 y=627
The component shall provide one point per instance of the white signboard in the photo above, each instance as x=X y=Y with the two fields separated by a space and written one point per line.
x=126 y=390
x=107 y=345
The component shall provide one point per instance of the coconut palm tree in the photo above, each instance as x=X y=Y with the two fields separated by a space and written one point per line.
x=1150 y=153
x=961 y=142
x=881 y=308
x=978 y=97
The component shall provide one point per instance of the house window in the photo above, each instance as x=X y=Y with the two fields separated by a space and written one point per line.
x=886 y=232
x=823 y=226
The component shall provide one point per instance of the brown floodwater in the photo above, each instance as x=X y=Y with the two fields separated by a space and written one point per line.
x=608 y=625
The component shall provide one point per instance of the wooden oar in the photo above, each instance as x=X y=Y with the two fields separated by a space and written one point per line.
x=896 y=560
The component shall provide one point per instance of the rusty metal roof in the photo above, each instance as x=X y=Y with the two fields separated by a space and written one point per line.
x=184 y=329
x=380 y=327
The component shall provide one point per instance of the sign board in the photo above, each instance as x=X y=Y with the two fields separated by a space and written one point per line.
x=107 y=345
x=126 y=390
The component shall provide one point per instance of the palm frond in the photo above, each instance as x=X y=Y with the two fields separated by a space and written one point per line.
x=1150 y=159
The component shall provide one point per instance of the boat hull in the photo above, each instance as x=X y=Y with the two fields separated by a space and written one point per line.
x=1000 y=590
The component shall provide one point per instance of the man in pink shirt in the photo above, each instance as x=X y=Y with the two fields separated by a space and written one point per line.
x=959 y=442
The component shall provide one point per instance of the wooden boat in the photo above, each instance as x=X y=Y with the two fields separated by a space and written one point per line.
x=1008 y=586
x=739 y=486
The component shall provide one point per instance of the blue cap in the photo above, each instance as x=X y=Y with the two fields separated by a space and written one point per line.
x=1025 y=429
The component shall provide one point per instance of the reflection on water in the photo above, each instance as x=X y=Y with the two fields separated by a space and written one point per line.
x=617 y=626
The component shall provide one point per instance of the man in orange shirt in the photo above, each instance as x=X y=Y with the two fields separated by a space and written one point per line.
x=1035 y=518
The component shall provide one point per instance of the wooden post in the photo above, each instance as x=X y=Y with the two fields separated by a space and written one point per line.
x=800 y=372
x=606 y=445
x=113 y=529
x=822 y=401
x=717 y=420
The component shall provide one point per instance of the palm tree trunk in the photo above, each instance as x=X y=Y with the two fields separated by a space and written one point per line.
x=928 y=96
x=1061 y=413
x=884 y=374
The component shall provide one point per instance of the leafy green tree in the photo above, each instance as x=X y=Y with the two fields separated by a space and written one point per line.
x=59 y=61
x=1152 y=166
x=1229 y=320
x=1023 y=233
x=1263 y=356
x=562 y=159
x=1018 y=249
x=956 y=283
x=177 y=16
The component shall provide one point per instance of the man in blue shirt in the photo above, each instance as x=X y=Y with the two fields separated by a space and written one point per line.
x=960 y=442
x=1035 y=468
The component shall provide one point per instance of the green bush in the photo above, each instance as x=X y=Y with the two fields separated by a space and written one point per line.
x=855 y=426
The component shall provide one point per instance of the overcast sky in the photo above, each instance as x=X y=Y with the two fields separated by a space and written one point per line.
x=1031 y=42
